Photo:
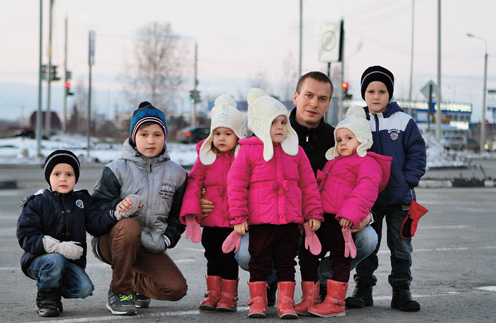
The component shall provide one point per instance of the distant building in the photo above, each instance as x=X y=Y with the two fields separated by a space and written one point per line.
x=55 y=123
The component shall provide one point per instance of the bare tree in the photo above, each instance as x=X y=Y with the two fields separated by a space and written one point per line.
x=155 y=73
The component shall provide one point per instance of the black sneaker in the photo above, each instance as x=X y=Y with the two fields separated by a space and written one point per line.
x=141 y=300
x=48 y=303
x=119 y=304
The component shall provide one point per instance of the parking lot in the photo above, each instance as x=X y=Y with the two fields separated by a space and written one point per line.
x=453 y=266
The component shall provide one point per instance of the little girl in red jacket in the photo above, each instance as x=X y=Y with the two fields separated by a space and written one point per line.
x=209 y=174
x=272 y=189
x=349 y=184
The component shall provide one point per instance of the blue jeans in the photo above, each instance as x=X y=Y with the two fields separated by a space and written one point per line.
x=243 y=258
x=53 y=271
x=401 y=249
x=365 y=242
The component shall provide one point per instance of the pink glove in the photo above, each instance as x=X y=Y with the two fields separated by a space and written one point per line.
x=233 y=241
x=193 y=229
x=312 y=242
x=349 y=244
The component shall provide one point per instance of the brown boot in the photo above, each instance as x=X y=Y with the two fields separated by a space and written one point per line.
x=213 y=293
x=333 y=304
x=229 y=299
x=258 y=301
x=285 y=300
x=310 y=297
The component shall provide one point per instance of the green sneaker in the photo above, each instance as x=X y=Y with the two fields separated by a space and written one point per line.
x=141 y=300
x=119 y=304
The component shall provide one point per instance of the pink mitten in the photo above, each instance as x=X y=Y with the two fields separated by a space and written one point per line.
x=312 y=242
x=193 y=229
x=233 y=241
x=349 y=244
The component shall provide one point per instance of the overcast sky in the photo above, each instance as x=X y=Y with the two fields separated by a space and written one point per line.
x=240 y=39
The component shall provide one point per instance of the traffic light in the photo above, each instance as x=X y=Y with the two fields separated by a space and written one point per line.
x=53 y=74
x=194 y=96
x=68 y=88
x=345 y=86
x=43 y=72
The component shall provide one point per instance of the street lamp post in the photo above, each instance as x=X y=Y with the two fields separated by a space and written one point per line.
x=483 y=119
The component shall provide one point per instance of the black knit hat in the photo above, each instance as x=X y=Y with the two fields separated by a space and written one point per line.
x=377 y=73
x=146 y=113
x=59 y=157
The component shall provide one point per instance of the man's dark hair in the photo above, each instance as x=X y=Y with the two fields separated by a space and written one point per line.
x=316 y=75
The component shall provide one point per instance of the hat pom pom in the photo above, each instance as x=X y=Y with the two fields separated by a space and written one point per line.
x=254 y=94
x=225 y=100
x=144 y=104
x=356 y=110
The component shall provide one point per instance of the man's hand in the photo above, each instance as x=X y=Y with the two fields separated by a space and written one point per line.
x=314 y=224
x=241 y=228
x=206 y=206
x=363 y=224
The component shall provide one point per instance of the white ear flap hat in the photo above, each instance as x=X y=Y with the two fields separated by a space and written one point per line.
x=224 y=114
x=262 y=110
x=356 y=122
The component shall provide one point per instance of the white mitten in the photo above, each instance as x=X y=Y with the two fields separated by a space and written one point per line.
x=135 y=203
x=69 y=249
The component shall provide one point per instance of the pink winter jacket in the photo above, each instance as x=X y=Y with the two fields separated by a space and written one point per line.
x=214 y=179
x=280 y=191
x=349 y=185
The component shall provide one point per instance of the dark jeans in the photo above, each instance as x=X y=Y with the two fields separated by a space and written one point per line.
x=331 y=239
x=401 y=249
x=273 y=245
x=219 y=263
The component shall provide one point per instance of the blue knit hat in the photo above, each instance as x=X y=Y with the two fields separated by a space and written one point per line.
x=147 y=113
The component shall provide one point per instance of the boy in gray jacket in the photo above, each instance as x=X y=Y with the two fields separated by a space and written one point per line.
x=135 y=247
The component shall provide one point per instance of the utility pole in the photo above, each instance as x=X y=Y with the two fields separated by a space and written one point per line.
x=40 y=63
x=301 y=37
x=193 y=116
x=438 y=99
x=65 y=78
x=49 y=78
x=91 y=62
x=410 y=109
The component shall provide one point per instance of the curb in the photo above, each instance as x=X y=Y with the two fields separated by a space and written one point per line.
x=449 y=183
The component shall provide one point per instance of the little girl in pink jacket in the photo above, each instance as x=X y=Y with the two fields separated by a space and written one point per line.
x=209 y=174
x=349 y=184
x=272 y=189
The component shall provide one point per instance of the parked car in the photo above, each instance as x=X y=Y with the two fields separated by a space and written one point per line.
x=473 y=145
x=460 y=143
x=192 y=135
x=454 y=142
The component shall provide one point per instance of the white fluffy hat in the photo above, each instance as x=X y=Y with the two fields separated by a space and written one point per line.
x=262 y=110
x=357 y=123
x=224 y=114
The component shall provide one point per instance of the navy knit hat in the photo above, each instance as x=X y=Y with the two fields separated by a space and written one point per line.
x=147 y=113
x=61 y=157
x=377 y=73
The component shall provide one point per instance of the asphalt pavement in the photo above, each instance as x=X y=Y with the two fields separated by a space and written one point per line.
x=453 y=262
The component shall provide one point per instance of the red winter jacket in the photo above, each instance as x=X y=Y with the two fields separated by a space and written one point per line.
x=214 y=179
x=280 y=191
x=349 y=186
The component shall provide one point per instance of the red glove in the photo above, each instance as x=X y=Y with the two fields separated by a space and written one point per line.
x=233 y=241
x=193 y=229
x=312 y=242
x=349 y=244
x=409 y=225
